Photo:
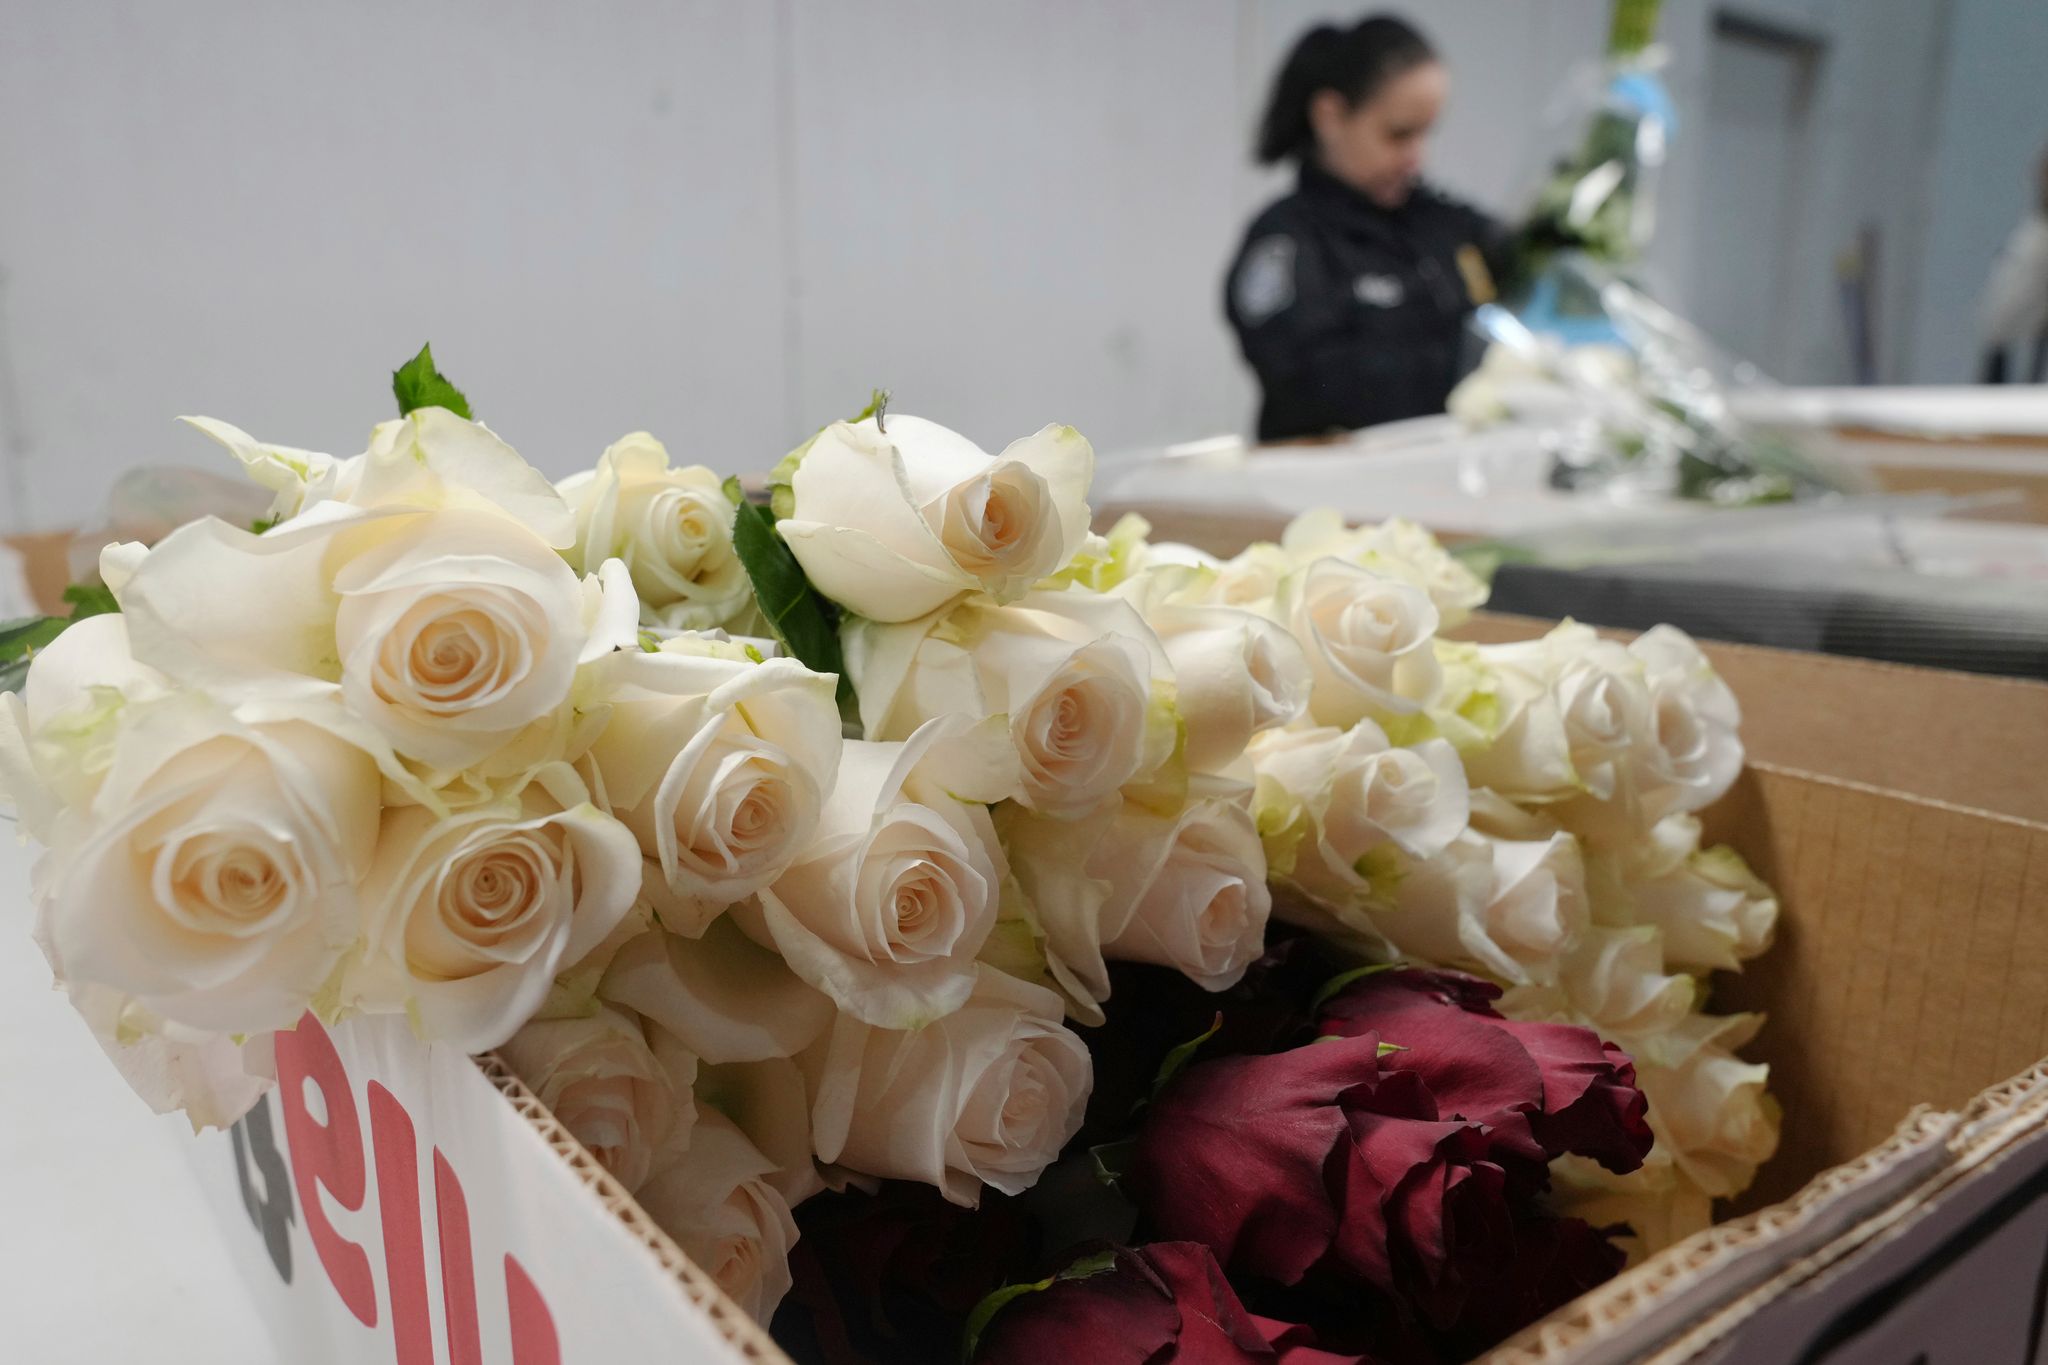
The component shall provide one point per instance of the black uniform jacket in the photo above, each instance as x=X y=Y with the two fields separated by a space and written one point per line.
x=1353 y=314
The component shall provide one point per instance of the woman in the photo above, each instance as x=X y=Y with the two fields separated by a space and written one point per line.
x=1349 y=296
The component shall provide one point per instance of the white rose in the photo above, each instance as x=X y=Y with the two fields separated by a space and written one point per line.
x=1336 y=806
x=471 y=914
x=1186 y=891
x=672 y=528
x=210 y=1077
x=1529 y=908
x=213 y=877
x=894 y=524
x=1398 y=548
x=900 y=886
x=1695 y=720
x=299 y=478
x=1612 y=981
x=768 y=1101
x=1714 y=913
x=723 y=996
x=1071 y=670
x=1370 y=640
x=1251 y=579
x=57 y=734
x=451 y=632
x=718 y=766
x=600 y=1078
x=1656 y=1204
x=987 y=1095
x=1234 y=673
x=431 y=459
x=1710 y=1109
x=1523 y=754
x=717 y=1198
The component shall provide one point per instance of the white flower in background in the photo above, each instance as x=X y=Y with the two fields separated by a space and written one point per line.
x=722 y=996
x=987 y=1095
x=1073 y=671
x=213 y=877
x=600 y=1078
x=886 y=908
x=1235 y=674
x=1339 y=809
x=1694 y=718
x=299 y=478
x=1713 y=912
x=1186 y=891
x=672 y=528
x=470 y=914
x=1370 y=640
x=1397 y=548
x=1614 y=982
x=1709 y=1108
x=894 y=518
x=1529 y=909
x=1251 y=578
x=718 y=765
x=716 y=1196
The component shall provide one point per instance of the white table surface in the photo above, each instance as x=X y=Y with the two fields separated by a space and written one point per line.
x=108 y=1251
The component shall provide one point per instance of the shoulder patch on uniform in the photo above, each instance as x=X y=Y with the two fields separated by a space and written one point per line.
x=1264 y=283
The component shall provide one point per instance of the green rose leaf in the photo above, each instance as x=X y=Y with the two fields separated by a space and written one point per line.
x=417 y=384
x=796 y=613
x=1335 y=985
x=985 y=1311
x=1182 y=1055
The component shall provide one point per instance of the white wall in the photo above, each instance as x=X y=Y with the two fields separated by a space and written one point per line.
x=724 y=222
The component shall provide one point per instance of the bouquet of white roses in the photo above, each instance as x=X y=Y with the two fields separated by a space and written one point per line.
x=839 y=864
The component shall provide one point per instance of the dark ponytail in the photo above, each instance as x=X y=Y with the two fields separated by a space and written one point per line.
x=1356 y=62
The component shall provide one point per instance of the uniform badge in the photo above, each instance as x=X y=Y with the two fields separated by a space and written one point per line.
x=1265 y=279
x=1381 y=291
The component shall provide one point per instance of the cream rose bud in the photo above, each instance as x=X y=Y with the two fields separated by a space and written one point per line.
x=886 y=908
x=1397 y=548
x=1072 y=671
x=1695 y=721
x=672 y=528
x=57 y=734
x=1714 y=913
x=1186 y=891
x=451 y=632
x=987 y=1095
x=1654 y=1204
x=894 y=518
x=599 y=1077
x=1235 y=674
x=716 y=1196
x=1337 y=808
x=213 y=878
x=1370 y=640
x=1708 y=1107
x=718 y=765
x=470 y=914
x=1614 y=981
x=1529 y=909
x=431 y=459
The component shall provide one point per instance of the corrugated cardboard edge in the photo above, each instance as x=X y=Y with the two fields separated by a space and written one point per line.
x=1641 y=1308
x=1994 y=1124
x=732 y=1322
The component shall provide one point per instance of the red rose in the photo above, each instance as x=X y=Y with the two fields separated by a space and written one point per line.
x=1541 y=1089
x=1319 y=1157
x=1164 y=1304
